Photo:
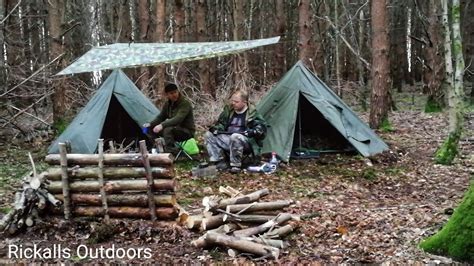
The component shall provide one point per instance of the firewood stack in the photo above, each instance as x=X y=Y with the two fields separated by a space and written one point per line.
x=138 y=185
x=243 y=224
x=30 y=202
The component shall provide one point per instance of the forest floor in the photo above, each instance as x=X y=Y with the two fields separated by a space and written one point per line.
x=357 y=212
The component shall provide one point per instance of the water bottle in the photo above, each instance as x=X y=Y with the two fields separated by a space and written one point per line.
x=274 y=159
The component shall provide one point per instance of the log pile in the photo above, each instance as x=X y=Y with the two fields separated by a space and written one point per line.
x=138 y=185
x=30 y=202
x=243 y=224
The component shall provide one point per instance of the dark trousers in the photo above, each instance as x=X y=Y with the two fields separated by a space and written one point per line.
x=174 y=134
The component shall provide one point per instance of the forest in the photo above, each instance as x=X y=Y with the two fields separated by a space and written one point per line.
x=402 y=68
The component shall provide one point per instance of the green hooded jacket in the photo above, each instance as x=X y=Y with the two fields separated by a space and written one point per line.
x=253 y=120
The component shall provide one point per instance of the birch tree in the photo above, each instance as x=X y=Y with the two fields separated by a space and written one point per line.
x=454 y=83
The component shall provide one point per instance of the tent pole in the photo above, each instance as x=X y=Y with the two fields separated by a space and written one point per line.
x=299 y=123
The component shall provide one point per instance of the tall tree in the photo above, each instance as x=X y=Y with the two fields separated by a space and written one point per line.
x=179 y=19
x=202 y=36
x=240 y=64
x=434 y=71
x=3 y=67
x=159 y=36
x=305 y=36
x=381 y=81
x=144 y=25
x=55 y=17
x=453 y=52
x=279 y=65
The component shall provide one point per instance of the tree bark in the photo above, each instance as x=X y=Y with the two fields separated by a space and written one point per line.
x=55 y=17
x=305 y=43
x=212 y=205
x=258 y=206
x=160 y=159
x=278 y=220
x=54 y=173
x=434 y=60
x=279 y=67
x=202 y=36
x=449 y=149
x=160 y=29
x=3 y=66
x=241 y=76
x=131 y=200
x=113 y=186
x=179 y=18
x=144 y=25
x=381 y=80
x=218 y=220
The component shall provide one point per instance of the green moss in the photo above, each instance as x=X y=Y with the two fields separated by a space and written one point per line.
x=386 y=126
x=448 y=150
x=456 y=239
x=433 y=106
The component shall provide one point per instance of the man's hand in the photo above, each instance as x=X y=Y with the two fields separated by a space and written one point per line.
x=213 y=130
x=158 y=128
x=146 y=125
x=249 y=133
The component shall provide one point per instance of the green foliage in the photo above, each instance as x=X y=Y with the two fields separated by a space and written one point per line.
x=369 y=174
x=386 y=126
x=433 y=106
x=448 y=150
x=5 y=210
x=60 y=125
x=456 y=239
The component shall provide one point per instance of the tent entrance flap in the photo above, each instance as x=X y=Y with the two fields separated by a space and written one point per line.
x=314 y=132
x=120 y=127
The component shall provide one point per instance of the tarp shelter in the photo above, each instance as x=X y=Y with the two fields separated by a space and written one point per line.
x=121 y=55
x=300 y=105
x=115 y=112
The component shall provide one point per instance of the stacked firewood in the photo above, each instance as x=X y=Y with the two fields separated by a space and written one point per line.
x=138 y=185
x=30 y=202
x=243 y=224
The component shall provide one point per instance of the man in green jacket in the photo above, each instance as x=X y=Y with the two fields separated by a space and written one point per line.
x=175 y=121
x=239 y=129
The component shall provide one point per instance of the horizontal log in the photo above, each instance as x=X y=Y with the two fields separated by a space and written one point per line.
x=54 y=173
x=242 y=245
x=218 y=220
x=213 y=203
x=163 y=213
x=278 y=220
x=112 y=186
x=259 y=206
x=132 y=200
x=160 y=159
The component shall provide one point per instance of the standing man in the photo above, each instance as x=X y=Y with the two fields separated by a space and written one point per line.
x=175 y=121
x=239 y=129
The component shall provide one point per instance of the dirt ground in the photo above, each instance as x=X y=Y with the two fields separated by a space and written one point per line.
x=356 y=210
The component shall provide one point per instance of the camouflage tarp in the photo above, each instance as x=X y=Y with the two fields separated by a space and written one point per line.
x=122 y=55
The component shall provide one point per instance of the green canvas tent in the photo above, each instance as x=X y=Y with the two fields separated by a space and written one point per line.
x=301 y=111
x=115 y=112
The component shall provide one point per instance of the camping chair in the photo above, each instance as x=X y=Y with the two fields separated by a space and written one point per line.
x=187 y=147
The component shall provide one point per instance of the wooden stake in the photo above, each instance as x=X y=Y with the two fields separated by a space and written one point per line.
x=115 y=186
x=149 y=178
x=135 y=159
x=101 y=180
x=111 y=172
x=65 y=181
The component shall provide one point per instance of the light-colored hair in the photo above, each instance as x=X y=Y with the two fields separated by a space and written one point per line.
x=244 y=95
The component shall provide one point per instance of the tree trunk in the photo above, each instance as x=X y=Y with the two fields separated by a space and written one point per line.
x=305 y=43
x=241 y=75
x=144 y=25
x=336 y=50
x=160 y=159
x=55 y=17
x=449 y=149
x=54 y=173
x=434 y=60
x=115 y=186
x=3 y=66
x=381 y=81
x=160 y=29
x=179 y=19
x=398 y=44
x=455 y=238
x=279 y=67
x=202 y=36
x=132 y=200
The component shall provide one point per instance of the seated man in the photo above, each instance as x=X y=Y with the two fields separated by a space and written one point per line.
x=175 y=121
x=239 y=128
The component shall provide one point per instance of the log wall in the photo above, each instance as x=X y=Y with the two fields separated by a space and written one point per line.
x=138 y=185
